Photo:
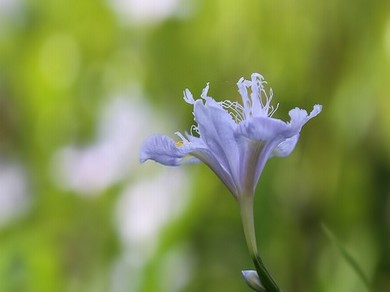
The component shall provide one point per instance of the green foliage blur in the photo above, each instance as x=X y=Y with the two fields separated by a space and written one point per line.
x=63 y=62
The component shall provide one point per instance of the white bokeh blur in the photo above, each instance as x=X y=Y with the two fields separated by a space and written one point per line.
x=9 y=7
x=144 y=210
x=149 y=204
x=149 y=11
x=151 y=196
x=14 y=195
x=113 y=156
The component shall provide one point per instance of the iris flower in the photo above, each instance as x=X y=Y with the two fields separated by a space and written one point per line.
x=234 y=140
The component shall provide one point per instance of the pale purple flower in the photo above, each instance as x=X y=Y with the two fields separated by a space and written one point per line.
x=234 y=140
x=252 y=279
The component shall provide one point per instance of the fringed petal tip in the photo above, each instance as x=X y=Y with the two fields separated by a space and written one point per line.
x=316 y=110
x=299 y=117
x=253 y=280
x=188 y=97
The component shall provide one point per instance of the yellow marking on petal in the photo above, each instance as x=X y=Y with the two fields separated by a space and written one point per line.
x=179 y=143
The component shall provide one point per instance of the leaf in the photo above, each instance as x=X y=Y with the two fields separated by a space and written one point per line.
x=347 y=257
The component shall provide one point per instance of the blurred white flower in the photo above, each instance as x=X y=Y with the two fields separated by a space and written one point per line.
x=114 y=155
x=14 y=198
x=147 y=11
x=144 y=210
x=10 y=6
x=176 y=269
x=147 y=205
x=150 y=204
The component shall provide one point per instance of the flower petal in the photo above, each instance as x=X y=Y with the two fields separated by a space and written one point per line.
x=216 y=129
x=164 y=150
x=261 y=128
x=252 y=279
x=243 y=90
x=250 y=156
x=299 y=117
x=188 y=98
x=286 y=147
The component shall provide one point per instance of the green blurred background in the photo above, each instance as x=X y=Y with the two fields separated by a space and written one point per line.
x=82 y=83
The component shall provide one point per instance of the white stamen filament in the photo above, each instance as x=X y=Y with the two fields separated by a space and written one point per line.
x=194 y=129
x=235 y=109
x=183 y=139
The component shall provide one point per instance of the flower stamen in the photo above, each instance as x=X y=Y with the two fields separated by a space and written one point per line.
x=235 y=109
x=194 y=129
x=182 y=139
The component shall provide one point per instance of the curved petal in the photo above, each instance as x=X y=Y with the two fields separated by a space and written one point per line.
x=216 y=129
x=299 y=117
x=250 y=154
x=252 y=279
x=164 y=150
x=266 y=128
x=260 y=135
x=261 y=128
x=266 y=153
x=286 y=147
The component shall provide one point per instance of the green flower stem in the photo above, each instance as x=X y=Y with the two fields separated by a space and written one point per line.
x=246 y=208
